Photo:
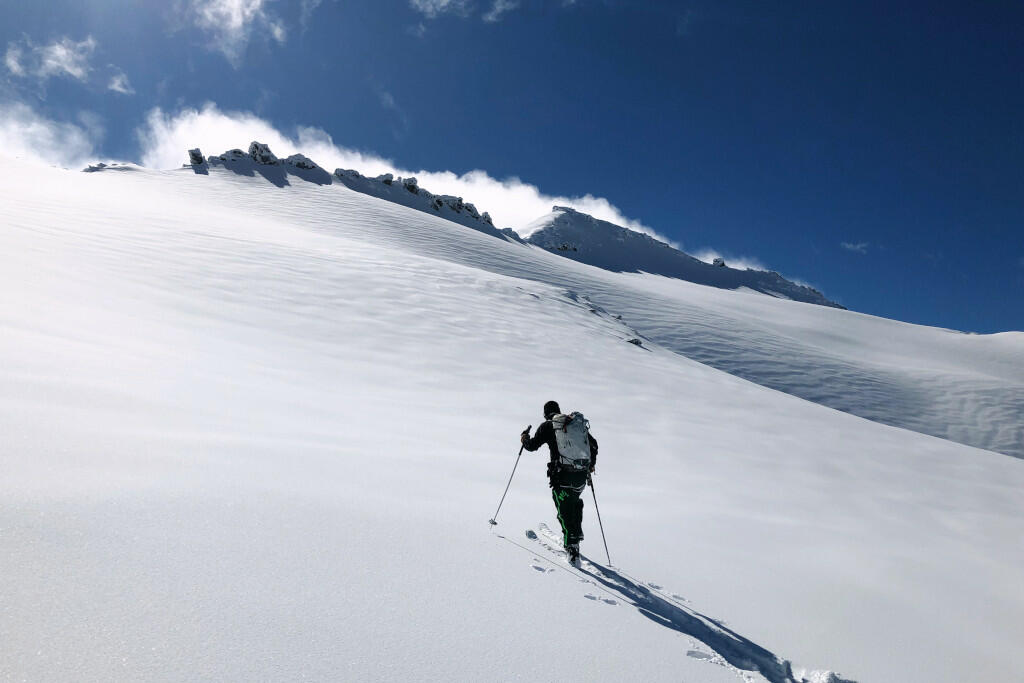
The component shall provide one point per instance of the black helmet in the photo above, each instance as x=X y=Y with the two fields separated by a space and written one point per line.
x=551 y=408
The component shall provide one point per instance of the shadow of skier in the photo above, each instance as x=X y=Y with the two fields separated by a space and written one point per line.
x=732 y=647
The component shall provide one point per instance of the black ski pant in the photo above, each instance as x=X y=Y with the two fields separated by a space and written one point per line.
x=566 y=491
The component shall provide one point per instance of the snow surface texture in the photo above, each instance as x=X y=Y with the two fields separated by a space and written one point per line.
x=584 y=238
x=976 y=400
x=254 y=426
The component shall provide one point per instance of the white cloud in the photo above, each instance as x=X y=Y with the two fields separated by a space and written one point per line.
x=401 y=123
x=432 y=8
x=119 y=83
x=67 y=57
x=165 y=137
x=859 y=247
x=498 y=8
x=306 y=11
x=232 y=23
x=64 y=57
x=708 y=255
x=12 y=60
x=27 y=134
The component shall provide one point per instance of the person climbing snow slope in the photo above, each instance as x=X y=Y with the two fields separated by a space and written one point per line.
x=573 y=457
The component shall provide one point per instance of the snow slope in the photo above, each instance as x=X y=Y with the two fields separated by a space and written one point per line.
x=966 y=388
x=583 y=238
x=254 y=432
x=963 y=387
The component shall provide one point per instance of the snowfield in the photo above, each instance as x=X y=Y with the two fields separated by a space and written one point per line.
x=254 y=430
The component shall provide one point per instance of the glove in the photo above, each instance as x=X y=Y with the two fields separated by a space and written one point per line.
x=591 y=469
x=524 y=438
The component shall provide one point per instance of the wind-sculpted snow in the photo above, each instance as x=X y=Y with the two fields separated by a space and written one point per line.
x=586 y=239
x=255 y=423
x=967 y=388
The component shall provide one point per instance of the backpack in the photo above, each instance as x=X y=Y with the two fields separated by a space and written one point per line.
x=571 y=435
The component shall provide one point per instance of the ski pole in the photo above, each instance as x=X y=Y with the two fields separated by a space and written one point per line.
x=598 y=510
x=492 y=519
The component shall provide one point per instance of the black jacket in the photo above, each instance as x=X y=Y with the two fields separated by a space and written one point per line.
x=545 y=434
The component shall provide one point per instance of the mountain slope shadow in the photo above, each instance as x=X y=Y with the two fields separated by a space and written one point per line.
x=738 y=651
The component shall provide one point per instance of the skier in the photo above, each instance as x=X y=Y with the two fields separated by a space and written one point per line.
x=573 y=456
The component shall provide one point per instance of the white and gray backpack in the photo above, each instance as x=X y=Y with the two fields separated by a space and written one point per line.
x=571 y=435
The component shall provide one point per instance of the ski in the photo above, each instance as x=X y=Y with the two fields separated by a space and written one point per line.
x=556 y=548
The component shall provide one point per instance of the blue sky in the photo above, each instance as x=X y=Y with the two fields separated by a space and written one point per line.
x=873 y=150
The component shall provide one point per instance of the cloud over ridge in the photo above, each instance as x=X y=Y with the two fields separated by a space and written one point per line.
x=27 y=134
x=165 y=137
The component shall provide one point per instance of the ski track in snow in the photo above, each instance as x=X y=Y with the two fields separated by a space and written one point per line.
x=729 y=648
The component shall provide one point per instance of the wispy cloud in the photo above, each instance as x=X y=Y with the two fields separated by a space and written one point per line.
x=233 y=22
x=498 y=8
x=119 y=82
x=64 y=57
x=491 y=11
x=12 y=60
x=306 y=10
x=387 y=100
x=165 y=137
x=401 y=119
x=859 y=247
x=433 y=8
x=25 y=133
x=683 y=23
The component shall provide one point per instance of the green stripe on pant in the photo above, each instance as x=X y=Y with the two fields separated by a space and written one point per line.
x=569 y=507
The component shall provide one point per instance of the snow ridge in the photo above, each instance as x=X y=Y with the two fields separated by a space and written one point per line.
x=407 y=192
x=581 y=237
x=566 y=231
